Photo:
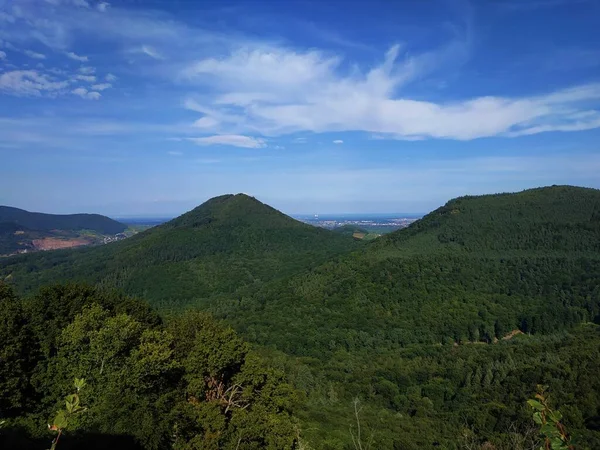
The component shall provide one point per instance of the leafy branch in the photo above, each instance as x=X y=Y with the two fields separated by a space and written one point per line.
x=63 y=416
x=553 y=432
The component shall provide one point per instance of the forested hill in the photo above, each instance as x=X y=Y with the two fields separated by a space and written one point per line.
x=477 y=271
x=556 y=219
x=476 y=268
x=227 y=242
x=48 y=222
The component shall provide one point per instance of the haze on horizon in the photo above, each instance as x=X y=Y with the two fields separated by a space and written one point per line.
x=150 y=108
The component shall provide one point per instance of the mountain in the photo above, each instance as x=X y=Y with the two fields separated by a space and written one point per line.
x=473 y=269
x=556 y=219
x=23 y=231
x=48 y=222
x=395 y=322
x=227 y=242
x=433 y=336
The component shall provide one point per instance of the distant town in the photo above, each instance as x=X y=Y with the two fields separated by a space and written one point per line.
x=373 y=223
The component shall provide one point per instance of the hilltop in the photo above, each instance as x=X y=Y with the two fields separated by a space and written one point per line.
x=555 y=219
x=23 y=231
x=227 y=242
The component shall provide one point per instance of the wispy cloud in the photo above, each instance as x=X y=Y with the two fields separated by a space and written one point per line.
x=34 y=55
x=103 y=6
x=2 y=55
x=232 y=140
x=87 y=70
x=174 y=153
x=110 y=77
x=84 y=93
x=149 y=51
x=279 y=91
x=101 y=87
x=207 y=161
x=338 y=141
x=30 y=83
x=76 y=57
x=88 y=78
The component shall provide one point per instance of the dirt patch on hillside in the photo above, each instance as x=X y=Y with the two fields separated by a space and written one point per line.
x=512 y=334
x=54 y=243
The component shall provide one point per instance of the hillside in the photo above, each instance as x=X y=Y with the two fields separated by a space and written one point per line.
x=227 y=242
x=475 y=268
x=23 y=231
x=469 y=273
x=556 y=219
x=48 y=222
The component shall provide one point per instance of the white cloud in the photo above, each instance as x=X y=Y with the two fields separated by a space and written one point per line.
x=79 y=3
x=231 y=139
x=101 y=87
x=110 y=77
x=76 y=57
x=2 y=54
x=277 y=91
x=30 y=83
x=34 y=55
x=102 y=7
x=88 y=78
x=83 y=93
x=87 y=70
x=338 y=141
x=175 y=153
x=149 y=51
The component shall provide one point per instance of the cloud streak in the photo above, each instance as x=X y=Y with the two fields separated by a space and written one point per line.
x=274 y=91
x=76 y=57
x=231 y=140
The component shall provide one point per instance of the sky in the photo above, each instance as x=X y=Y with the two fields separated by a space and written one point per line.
x=135 y=107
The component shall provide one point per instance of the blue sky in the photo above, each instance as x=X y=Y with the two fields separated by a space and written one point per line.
x=151 y=107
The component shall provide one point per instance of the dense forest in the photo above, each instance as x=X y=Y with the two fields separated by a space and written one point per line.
x=187 y=384
x=228 y=242
x=434 y=336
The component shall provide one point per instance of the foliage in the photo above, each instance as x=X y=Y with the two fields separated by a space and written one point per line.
x=190 y=383
x=551 y=429
x=442 y=329
x=63 y=417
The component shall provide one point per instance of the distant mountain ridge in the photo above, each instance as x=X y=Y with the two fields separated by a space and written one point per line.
x=47 y=222
x=23 y=231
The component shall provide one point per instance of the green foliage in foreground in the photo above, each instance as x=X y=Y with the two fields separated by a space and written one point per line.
x=453 y=397
x=187 y=384
x=554 y=433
